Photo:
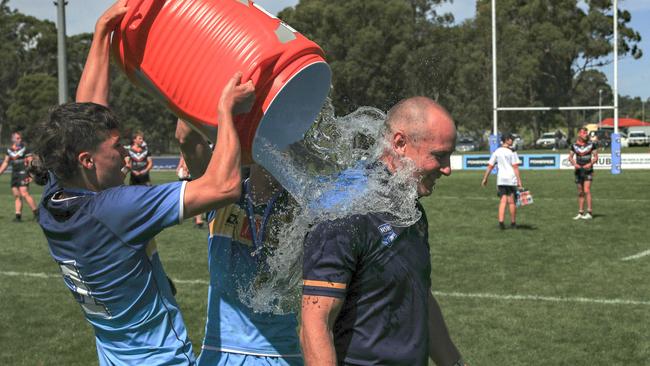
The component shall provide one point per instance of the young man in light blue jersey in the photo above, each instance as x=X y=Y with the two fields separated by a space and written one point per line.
x=101 y=232
x=241 y=235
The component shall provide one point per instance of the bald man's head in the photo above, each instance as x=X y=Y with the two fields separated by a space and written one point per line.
x=413 y=115
x=420 y=133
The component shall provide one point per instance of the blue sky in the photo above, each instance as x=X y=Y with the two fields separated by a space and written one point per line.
x=634 y=75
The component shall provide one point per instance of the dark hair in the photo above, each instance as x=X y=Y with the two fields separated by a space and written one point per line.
x=583 y=128
x=70 y=129
x=507 y=136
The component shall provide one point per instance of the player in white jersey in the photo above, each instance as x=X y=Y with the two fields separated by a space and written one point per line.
x=508 y=179
x=100 y=232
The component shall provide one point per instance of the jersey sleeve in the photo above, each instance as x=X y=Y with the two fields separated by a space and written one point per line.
x=493 y=159
x=138 y=213
x=329 y=259
x=515 y=159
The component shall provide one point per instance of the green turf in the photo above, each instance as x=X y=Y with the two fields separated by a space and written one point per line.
x=551 y=256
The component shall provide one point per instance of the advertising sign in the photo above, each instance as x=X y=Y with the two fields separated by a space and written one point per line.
x=628 y=161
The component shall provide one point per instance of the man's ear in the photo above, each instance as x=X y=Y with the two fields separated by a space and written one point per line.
x=86 y=160
x=399 y=143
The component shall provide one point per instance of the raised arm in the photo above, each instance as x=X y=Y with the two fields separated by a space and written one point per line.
x=318 y=316
x=221 y=183
x=94 y=83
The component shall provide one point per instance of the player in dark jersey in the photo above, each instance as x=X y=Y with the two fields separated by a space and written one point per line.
x=367 y=283
x=101 y=232
x=139 y=161
x=18 y=157
x=583 y=154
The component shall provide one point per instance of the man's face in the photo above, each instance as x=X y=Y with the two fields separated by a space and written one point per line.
x=430 y=151
x=583 y=134
x=108 y=161
x=138 y=140
x=16 y=138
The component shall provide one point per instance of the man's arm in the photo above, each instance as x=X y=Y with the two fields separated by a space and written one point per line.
x=442 y=350
x=94 y=83
x=220 y=185
x=572 y=160
x=318 y=316
x=515 y=168
x=147 y=169
x=486 y=175
x=594 y=159
x=4 y=165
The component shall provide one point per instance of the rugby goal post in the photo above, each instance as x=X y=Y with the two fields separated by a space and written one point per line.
x=616 y=138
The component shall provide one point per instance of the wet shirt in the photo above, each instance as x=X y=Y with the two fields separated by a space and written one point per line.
x=17 y=158
x=382 y=272
x=103 y=244
x=236 y=265
x=138 y=158
x=583 y=152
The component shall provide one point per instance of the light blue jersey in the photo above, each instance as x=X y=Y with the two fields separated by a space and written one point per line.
x=103 y=243
x=233 y=330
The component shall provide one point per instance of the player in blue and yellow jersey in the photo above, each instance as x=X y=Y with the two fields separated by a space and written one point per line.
x=101 y=232
x=241 y=236
x=583 y=154
x=366 y=282
x=19 y=157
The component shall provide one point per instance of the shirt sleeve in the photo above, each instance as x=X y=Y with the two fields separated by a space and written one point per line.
x=515 y=158
x=493 y=159
x=138 y=213
x=329 y=259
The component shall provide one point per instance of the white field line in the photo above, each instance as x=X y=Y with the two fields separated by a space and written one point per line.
x=637 y=256
x=495 y=198
x=436 y=293
x=541 y=298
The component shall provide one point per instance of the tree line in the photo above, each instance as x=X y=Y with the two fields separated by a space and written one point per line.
x=380 y=51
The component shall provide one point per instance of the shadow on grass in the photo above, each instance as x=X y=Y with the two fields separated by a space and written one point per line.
x=526 y=227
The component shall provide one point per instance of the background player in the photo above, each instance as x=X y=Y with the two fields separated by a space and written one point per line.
x=508 y=179
x=19 y=157
x=583 y=154
x=139 y=161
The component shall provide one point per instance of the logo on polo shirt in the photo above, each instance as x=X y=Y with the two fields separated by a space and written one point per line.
x=387 y=234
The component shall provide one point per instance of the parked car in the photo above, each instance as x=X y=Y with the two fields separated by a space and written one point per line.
x=637 y=138
x=549 y=140
x=465 y=144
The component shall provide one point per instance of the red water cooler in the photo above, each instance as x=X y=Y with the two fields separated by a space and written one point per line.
x=184 y=52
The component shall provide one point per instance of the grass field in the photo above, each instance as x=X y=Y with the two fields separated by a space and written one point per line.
x=554 y=292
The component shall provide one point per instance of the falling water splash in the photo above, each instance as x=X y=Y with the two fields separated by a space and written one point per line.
x=335 y=174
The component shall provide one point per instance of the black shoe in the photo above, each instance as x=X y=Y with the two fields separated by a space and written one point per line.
x=502 y=226
x=199 y=225
x=513 y=225
x=17 y=219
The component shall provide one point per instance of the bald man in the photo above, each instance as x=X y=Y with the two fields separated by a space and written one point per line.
x=366 y=282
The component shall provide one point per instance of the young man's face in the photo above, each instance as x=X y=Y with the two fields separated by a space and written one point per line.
x=108 y=161
x=138 y=140
x=431 y=152
x=583 y=134
x=16 y=138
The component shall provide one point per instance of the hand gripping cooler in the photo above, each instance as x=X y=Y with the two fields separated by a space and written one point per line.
x=185 y=51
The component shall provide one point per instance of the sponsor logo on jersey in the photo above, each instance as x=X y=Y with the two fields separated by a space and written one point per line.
x=388 y=235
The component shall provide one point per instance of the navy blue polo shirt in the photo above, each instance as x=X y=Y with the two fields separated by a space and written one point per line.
x=382 y=272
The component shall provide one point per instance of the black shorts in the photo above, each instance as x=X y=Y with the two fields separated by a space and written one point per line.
x=506 y=190
x=19 y=179
x=140 y=180
x=583 y=175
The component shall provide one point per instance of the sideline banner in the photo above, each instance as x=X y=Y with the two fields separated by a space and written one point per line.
x=528 y=161
x=628 y=161
x=165 y=162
